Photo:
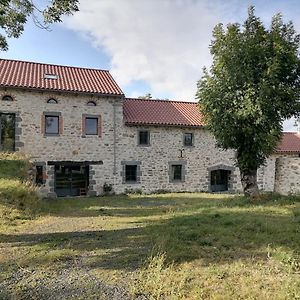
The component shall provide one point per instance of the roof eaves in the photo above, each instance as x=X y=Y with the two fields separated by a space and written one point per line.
x=61 y=91
x=132 y=123
x=160 y=100
x=295 y=151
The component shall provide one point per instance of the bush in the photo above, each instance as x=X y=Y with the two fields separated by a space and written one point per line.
x=107 y=188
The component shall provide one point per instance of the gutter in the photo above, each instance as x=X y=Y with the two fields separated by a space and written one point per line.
x=62 y=91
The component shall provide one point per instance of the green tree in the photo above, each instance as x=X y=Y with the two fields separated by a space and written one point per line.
x=15 y=13
x=251 y=87
x=148 y=96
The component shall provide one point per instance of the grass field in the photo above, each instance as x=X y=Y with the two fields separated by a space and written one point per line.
x=167 y=246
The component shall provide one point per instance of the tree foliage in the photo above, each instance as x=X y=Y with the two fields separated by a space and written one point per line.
x=251 y=87
x=15 y=13
x=147 y=96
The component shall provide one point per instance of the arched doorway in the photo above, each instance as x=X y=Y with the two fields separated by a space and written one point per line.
x=219 y=180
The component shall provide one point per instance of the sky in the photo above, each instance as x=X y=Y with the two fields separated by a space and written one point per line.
x=149 y=46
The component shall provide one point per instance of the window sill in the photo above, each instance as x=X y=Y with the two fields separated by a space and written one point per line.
x=144 y=145
x=91 y=136
x=131 y=182
x=51 y=134
x=176 y=181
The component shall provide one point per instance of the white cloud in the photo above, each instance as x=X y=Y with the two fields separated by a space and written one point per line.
x=290 y=125
x=164 y=43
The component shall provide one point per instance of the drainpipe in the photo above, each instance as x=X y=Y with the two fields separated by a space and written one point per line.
x=115 y=140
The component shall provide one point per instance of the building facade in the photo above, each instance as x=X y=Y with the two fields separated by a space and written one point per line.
x=86 y=138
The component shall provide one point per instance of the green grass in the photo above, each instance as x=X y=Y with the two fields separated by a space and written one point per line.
x=18 y=197
x=167 y=246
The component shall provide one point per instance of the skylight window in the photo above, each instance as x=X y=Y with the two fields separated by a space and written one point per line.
x=50 y=76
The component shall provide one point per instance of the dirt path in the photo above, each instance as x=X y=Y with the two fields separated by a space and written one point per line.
x=67 y=278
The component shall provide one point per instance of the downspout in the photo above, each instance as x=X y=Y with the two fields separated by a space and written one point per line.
x=115 y=142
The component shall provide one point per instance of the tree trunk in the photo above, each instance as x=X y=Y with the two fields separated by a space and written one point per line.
x=249 y=182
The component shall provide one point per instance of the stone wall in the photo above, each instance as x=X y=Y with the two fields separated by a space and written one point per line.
x=118 y=145
x=71 y=144
x=166 y=145
x=287 y=175
x=266 y=175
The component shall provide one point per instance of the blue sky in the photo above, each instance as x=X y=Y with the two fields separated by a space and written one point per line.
x=156 y=46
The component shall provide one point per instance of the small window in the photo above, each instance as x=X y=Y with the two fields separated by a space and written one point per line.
x=144 y=138
x=131 y=173
x=91 y=103
x=52 y=101
x=7 y=98
x=39 y=177
x=91 y=126
x=51 y=124
x=50 y=76
x=188 y=139
x=176 y=172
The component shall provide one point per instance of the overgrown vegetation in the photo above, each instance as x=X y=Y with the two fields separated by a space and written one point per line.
x=167 y=246
x=18 y=197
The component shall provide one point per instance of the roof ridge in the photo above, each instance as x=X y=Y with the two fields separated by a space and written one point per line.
x=160 y=100
x=56 y=65
x=290 y=132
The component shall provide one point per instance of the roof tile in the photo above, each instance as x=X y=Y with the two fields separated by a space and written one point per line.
x=23 y=74
x=290 y=143
x=162 y=112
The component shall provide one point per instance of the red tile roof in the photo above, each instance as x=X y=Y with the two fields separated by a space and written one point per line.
x=290 y=143
x=162 y=112
x=175 y=113
x=23 y=74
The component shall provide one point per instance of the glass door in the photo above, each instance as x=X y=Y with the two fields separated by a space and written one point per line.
x=70 y=180
x=219 y=180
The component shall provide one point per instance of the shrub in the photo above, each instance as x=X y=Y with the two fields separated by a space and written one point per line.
x=107 y=188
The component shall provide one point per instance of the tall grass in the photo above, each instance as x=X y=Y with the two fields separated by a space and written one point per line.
x=158 y=280
x=18 y=195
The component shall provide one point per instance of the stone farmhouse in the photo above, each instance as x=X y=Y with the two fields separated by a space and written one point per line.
x=86 y=138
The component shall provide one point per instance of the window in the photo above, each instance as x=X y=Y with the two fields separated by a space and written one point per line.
x=52 y=101
x=188 y=139
x=177 y=172
x=144 y=138
x=7 y=132
x=7 y=98
x=91 y=103
x=51 y=124
x=50 y=76
x=91 y=126
x=130 y=173
x=39 y=176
